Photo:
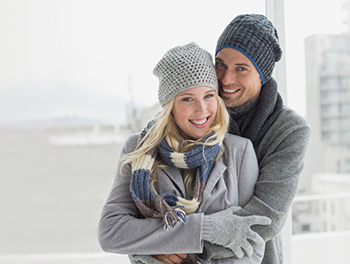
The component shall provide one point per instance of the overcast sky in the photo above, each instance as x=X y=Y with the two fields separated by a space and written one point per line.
x=99 y=44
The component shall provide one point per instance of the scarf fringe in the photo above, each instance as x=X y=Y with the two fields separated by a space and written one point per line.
x=199 y=157
x=173 y=217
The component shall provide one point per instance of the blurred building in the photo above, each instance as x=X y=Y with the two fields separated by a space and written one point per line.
x=324 y=206
x=328 y=105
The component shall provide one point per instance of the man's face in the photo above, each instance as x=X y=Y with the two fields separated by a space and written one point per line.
x=239 y=80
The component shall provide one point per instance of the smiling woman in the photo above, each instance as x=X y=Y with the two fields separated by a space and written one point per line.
x=61 y=59
x=195 y=110
x=184 y=168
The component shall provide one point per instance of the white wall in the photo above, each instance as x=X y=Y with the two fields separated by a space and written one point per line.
x=325 y=248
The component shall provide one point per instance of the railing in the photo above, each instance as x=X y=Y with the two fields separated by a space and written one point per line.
x=321 y=213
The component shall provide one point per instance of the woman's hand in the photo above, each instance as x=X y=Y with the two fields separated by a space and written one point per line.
x=170 y=258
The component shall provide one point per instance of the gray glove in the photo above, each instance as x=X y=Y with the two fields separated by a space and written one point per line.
x=231 y=231
x=143 y=259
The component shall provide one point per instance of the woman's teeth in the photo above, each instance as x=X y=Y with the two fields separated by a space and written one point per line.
x=199 y=122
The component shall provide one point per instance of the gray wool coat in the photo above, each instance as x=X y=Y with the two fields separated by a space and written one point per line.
x=231 y=183
x=281 y=156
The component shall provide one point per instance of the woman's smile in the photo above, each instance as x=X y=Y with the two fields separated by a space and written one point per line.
x=200 y=122
x=194 y=111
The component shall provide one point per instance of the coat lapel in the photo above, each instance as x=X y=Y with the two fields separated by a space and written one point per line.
x=175 y=176
x=215 y=175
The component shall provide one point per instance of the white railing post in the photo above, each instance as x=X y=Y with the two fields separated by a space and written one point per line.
x=330 y=212
x=275 y=13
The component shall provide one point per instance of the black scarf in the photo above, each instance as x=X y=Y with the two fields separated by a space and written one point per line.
x=253 y=122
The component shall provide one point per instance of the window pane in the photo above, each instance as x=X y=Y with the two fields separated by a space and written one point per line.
x=73 y=76
x=318 y=87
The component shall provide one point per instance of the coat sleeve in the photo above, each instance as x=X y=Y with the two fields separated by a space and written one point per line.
x=122 y=230
x=281 y=160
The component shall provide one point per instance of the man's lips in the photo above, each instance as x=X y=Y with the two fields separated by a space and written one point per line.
x=226 y=90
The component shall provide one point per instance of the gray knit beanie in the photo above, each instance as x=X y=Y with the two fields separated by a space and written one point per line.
x=256 y=37
x=182 y=68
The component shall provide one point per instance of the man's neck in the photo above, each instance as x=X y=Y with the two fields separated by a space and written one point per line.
x=244 y=108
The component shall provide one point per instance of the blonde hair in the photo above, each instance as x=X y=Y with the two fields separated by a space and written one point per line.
x=166 y=128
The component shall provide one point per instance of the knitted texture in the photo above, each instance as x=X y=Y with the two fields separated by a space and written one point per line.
x=173 y=209
x=255 y=123
x=217 y=226
x=256 y=37
x=182 y=68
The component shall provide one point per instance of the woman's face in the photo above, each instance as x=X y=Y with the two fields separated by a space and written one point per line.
x=194 y=111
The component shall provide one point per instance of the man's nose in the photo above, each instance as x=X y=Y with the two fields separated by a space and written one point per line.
x=228 y=78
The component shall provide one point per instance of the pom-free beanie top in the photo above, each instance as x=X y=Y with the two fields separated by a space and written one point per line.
x=182 y=68
x=256 y=37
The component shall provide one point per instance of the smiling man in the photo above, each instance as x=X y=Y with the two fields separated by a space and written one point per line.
x=246 y=54
x=239 y=80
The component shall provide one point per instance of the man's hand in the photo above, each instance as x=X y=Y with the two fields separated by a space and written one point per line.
x=231 y=231
x=170 y=258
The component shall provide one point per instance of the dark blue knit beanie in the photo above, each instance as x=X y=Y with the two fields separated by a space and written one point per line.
x=256 y=37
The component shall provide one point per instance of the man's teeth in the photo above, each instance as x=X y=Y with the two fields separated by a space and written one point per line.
x=199 y=122
x=229 y=91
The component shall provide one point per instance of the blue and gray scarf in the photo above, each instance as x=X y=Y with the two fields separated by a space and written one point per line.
x=171 y=208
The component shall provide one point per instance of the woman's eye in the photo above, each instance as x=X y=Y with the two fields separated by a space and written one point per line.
x=209 y=95
x=220 y=64
x=187 y=99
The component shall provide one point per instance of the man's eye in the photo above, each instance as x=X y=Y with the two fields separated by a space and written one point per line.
x=241 y=69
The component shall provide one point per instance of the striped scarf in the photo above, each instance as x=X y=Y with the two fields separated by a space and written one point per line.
x=171 y=208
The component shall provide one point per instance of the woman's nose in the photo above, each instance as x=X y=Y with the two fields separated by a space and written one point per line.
x=200 y=106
